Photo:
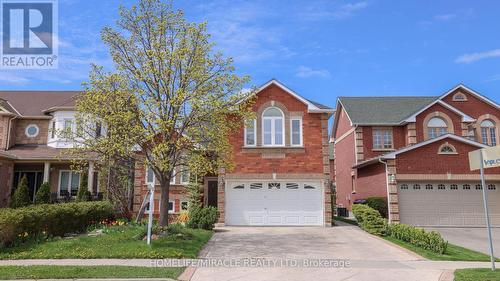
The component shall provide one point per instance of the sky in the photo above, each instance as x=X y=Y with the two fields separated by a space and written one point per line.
x=320 y=49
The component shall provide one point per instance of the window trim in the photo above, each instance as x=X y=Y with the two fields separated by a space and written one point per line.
x=146 y=176
x=273 y=133
x=188 y=175
x=488 y=133
x=446 y=144
x=180 y=205
x=383 y=130
x=301 y=135
x=254 y=134
x=459 y=94
x=69 y=182
x=32 y=126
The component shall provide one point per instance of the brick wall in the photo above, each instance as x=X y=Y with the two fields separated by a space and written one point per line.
x=308 y=159
x=426 y=160
x=473 y=107
x=41 y=138
x=371 y=182
x=6 y=174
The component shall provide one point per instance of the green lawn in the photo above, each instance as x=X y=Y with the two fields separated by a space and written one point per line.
x=115 y=242
x=346 y=220
x=453 y=252
x=482 y=274
x=71 y=272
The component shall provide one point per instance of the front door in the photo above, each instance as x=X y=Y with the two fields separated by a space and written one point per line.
x=212 y=193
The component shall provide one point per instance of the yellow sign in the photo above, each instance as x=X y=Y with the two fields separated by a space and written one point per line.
x=491 y=158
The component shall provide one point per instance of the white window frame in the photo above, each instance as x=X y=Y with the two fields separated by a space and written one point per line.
x=69 y=181
x=32 y=126
x=301 y=141
x=273 y=132
x=254 y=134
x=383 y=143
x=182 y=176
x=172 y=178
x=154 y=176
x=171 y=211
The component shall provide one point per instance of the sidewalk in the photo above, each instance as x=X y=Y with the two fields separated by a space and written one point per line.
x=422 y=264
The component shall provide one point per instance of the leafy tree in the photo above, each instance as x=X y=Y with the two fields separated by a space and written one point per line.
x=21 y=197
x=43 y=194
x=83 y=194
x=171 y=96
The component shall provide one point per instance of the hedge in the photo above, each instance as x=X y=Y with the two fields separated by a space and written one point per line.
x=204 y=218
x=431 y=241
x=369 y=219
x=379 y=204
x=51 y=219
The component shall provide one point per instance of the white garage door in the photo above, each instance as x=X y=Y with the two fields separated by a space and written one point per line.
x=274 y=203
x=447 y=204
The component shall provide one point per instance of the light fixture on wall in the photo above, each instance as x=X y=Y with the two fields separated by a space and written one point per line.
x=392 y=178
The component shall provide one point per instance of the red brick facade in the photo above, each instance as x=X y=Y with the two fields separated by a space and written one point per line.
x=359 y=174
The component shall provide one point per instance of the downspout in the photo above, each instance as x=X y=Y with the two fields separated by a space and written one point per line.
x=387 y=187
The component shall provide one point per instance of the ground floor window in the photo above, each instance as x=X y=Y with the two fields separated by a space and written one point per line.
x=69 y=182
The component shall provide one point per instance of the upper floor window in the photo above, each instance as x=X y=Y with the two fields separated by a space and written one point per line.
x=273 y=129
x=150 y=175
x=250 y=133
x=383 y=139
x=296 y=131
x=53 y=129
x=68 y=126
x=488 y=132
x=437 y=127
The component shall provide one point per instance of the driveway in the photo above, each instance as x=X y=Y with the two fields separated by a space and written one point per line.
x=471 y=238
x=369 y=257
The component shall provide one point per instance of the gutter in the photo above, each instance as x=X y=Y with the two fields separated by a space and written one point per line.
x=387 y=188
x=8 y=132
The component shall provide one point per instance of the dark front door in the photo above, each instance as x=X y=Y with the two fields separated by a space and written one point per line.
x=212 y=193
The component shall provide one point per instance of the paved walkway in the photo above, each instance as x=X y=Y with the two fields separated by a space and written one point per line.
x=471 y=238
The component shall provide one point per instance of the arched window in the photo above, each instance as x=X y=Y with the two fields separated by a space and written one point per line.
x=447 y=148
x=488 y=132
x=437 y=127
x=459 y=97
x=273 y=129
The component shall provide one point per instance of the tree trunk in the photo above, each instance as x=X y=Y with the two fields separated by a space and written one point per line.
x=164 y=199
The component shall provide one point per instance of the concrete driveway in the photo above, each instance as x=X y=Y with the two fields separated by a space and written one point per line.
x=369 y=257
x=471 y=238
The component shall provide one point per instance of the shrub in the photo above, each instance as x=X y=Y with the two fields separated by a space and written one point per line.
x=21 y=197
x=369 y=219
x=431 y=241
x=204 y=218
x=182 y=218
x=379 y=204
x=83 y=194
x=51 y=220
x=43 y=194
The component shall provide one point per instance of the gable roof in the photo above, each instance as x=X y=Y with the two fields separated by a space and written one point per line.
x=392 y=155
x=34 y=103
x=466 y=118
x=476 y=94
x=382 y=110
x=312 y=106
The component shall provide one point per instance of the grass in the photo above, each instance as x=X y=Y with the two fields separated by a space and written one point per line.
x=71 y=272
x=115 y=242
x=346 y=220
x=453 y=252
x=482 y=274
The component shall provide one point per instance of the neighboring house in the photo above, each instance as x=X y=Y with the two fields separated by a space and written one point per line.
x=414 y=151
x=281 y=166
x=30 y=145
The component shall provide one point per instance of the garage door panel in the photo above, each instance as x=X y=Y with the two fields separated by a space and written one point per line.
x=274 y=204
x=446 y=207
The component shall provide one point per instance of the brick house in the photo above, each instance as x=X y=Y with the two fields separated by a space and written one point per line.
x=30 y=146
x=281 y=172
x=414 y=151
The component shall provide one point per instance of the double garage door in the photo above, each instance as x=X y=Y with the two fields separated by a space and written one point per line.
x=268 y=203
x=447 y=204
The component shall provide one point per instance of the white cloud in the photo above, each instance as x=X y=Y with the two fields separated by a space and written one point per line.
x=445 y=17
x=9 y=77
x=305 y=72
x=493 y=78
x=473 y=57
x=327 y=11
